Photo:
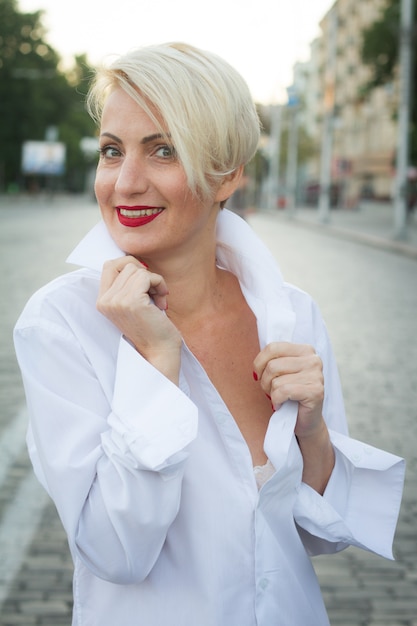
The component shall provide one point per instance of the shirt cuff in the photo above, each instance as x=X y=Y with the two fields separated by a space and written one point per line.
x=152 y=420
x=362 y=501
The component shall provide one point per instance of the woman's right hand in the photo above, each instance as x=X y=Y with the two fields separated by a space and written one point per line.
x=135 y=300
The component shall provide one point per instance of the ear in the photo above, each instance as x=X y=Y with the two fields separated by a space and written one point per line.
x=229 y=184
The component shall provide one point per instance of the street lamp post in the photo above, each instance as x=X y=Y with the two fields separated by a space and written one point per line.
x=274 y=156
x=293 y=106
x=292 y=157
x=400 y=203
x=329 y=105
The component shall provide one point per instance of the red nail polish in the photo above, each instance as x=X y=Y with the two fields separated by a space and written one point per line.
x=145 y=264
x=269 y=397
x=255 y=376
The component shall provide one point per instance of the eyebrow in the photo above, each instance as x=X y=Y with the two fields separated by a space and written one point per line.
x=143 y=141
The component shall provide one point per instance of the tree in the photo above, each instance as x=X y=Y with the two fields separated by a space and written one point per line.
x=77 y=124
x=34 y=93
x=380 y=51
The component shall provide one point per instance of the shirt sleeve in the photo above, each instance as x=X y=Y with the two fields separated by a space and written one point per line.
x=362 y=500
x=154 y=438
x=361 y=503
x=112 y=465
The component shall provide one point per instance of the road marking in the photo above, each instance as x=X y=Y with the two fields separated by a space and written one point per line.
x=12 y=442
x=22 y=516
x=19 y=525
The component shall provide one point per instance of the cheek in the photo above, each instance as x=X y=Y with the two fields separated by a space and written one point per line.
x=103 y=184
x=173 y=183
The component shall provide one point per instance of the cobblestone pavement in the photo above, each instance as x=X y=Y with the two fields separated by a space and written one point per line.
x=36 y=235
x=368 y=296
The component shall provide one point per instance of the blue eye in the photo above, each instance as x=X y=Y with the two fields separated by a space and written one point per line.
x=166 y=152
x=109 y=152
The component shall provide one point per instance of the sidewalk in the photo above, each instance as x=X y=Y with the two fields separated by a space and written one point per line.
x=358 y=587
x=372 y=224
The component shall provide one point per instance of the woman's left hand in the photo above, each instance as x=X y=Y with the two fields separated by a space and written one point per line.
x=290 y=371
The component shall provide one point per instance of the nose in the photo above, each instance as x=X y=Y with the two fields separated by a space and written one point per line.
x=131 y=178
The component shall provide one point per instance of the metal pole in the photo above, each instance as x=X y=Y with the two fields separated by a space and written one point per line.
x=329 y=104
x=274 y=154
x=291 y=175
x=400 y=203
x=325 y=169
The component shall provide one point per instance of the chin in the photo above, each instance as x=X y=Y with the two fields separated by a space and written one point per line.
x=134 y=244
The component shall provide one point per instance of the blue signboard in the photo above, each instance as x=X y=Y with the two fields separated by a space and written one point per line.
x=43 y=157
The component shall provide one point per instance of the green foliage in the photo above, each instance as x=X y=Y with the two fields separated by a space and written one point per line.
x=380 y=45
x=380 y=51
x=35 y=94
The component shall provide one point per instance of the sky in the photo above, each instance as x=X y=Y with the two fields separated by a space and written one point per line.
x=262 y=39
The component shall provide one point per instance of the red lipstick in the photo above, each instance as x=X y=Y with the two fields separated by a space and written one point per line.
x=133 y=216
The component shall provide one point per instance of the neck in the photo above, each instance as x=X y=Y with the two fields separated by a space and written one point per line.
x=195 y=286
x=194 y=281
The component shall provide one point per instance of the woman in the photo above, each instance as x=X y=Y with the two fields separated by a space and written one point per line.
x=186 y=412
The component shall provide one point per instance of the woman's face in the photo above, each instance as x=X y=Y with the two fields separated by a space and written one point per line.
x=142 y=189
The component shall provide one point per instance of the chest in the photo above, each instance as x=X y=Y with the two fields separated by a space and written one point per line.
x=226 y=349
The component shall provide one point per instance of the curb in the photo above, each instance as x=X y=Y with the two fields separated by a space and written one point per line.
x=390 y=244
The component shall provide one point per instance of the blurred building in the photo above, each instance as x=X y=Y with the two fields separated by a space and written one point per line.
x=363 y=128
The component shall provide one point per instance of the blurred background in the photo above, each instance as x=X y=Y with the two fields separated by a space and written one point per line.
x=331 y=191
x=334 y=84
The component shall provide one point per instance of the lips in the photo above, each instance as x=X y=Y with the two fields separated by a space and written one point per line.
x=133 y=216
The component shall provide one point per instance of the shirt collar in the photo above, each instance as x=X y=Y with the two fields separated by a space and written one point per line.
x=95 y=249
x=239 y=250
x=242 y=252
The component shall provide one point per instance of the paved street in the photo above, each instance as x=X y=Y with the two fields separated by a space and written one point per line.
x=368 y=296
x=35 y=568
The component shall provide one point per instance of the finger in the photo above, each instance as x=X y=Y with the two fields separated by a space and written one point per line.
x=306 y=368
x=117 y=273
x=136 y=280
x=112 y=269
x=120 y=263
x=158 y=291
x=308 y=396
x=279 y=350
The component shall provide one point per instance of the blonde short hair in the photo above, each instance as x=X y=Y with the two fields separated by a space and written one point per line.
x=205 y=106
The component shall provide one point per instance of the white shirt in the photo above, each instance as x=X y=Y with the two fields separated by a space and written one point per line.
x=154 y=483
